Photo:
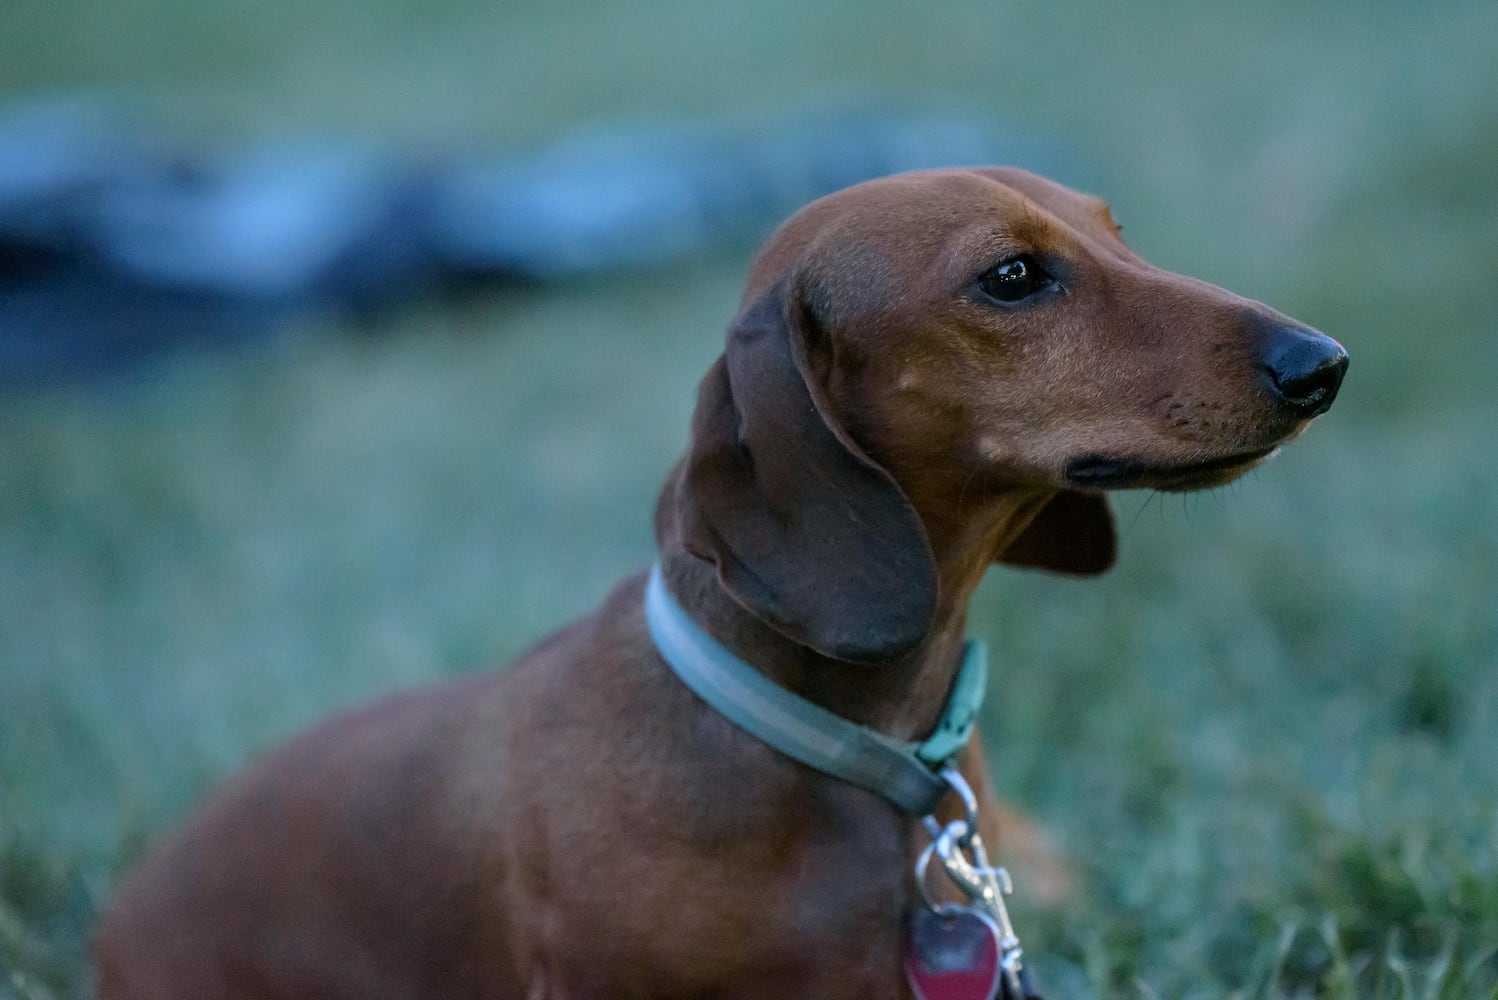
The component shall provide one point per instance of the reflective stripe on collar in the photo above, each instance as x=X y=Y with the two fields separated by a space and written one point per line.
x=903 y=772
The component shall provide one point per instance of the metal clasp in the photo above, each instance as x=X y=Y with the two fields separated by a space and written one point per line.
x=984 y=885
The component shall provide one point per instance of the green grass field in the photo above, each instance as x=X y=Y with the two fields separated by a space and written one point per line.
x=1268 y=740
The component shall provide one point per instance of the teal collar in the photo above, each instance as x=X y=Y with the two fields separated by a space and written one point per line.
x=905 y=773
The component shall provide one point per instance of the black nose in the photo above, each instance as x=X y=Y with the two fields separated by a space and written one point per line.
x=1305 y=368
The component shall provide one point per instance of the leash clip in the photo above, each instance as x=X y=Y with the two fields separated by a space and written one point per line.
x=964 y=859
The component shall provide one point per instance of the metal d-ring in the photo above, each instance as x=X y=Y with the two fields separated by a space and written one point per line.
x=958 y=783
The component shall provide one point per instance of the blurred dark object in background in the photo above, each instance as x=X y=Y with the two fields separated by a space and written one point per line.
x=118 y=241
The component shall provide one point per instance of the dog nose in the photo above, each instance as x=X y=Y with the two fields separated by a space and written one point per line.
x=1305 y=369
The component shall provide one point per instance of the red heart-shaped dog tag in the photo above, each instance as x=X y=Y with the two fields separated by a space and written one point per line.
x=952 y=954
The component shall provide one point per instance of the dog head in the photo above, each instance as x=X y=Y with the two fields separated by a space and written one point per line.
x=916 y=352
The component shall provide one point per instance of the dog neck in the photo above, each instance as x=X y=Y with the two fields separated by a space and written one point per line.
x=902 y=698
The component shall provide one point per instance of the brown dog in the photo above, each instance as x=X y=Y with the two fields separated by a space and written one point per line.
x=931 y=372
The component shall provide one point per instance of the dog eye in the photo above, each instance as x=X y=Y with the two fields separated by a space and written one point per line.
x=1015 y=279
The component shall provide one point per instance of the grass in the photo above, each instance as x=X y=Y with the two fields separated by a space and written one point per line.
x=1266 y=740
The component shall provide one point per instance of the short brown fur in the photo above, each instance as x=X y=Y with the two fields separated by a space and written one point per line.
x=580 y=825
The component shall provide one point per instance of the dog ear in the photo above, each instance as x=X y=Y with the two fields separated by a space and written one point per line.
x=1073 y=533
x=806 y=531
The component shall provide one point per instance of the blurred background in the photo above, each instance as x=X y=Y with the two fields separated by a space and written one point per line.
x=344 y=346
